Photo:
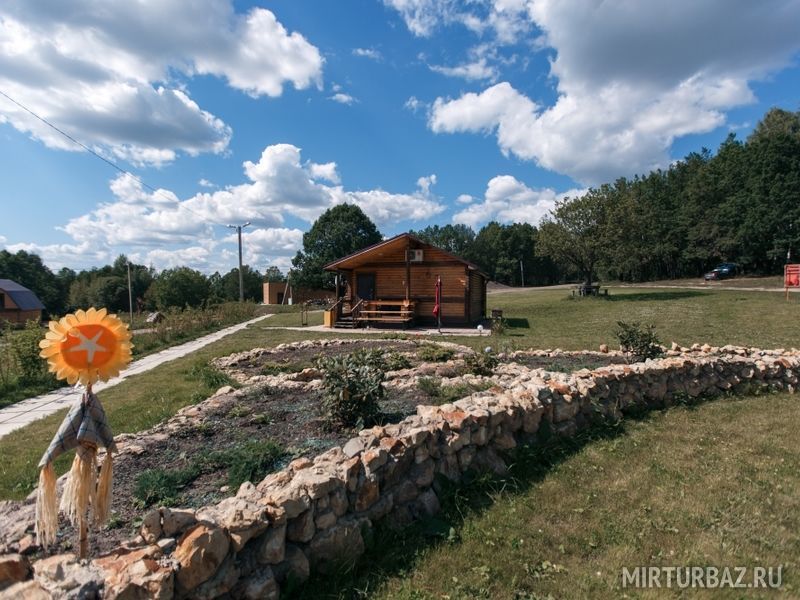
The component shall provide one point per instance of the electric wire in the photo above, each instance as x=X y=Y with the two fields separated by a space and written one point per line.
x=109 y=162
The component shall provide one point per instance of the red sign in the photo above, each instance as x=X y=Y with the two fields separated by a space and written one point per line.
x=791 y=276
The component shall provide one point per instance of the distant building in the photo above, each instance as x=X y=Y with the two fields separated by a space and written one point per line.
x=17 y=303
x=278 y=292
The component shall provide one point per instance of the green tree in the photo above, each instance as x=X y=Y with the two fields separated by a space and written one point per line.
x=273 y=275
x=339 y=231
x=28 y=270
x=180 y=287
x=575 y=232
x=253 y=284
x=456 y=239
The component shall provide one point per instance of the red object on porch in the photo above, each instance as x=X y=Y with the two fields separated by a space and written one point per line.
x=791 y=276
x=437 y=307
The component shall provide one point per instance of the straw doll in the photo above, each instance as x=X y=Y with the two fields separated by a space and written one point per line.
x=84 y=347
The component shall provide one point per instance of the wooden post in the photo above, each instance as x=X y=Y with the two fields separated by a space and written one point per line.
x=83 y=539
x=408 y=272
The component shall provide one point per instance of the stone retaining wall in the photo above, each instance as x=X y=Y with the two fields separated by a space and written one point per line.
x=312 y=515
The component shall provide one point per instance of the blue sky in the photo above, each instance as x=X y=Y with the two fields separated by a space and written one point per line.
x=419 y=111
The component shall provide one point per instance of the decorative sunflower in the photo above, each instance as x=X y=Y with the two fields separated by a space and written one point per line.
x=87 y=346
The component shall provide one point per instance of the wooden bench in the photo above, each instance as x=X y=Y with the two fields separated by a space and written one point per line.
x=375 y=311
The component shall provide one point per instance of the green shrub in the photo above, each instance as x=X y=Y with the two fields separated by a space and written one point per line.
x=481 y=363
x=444 y=394
x=24 y=344
x=637 y=340
x=396 y=361
x=212 y=378
x=434 y=353
x=250 y=461
x=163 y=486
x=432 y=386
x=353 y=386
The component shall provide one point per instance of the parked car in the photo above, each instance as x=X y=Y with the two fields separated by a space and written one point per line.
x=723 y=271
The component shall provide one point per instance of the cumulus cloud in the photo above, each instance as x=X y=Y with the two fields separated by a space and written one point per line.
x=628 y=82
x=472 y=71
x=508 y=200
x=203 y=182
x=343 y=98
x=162 y=229
x=413 y=104
x=370 y=53
x=109 y=74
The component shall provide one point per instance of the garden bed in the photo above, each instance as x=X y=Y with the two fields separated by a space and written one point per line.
x=204 y=453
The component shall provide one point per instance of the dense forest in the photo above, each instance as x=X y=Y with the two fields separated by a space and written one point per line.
x=740 y=204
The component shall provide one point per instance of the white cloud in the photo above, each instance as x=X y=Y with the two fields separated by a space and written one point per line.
x=472 y=71
x=370 y=53
x=343 y=98
x=161 y=229
x=464 y=199
x=273 y=246
x=508 y=200
x=413 y=104
x=206 y=183
x=109 y=74
x=628 y=82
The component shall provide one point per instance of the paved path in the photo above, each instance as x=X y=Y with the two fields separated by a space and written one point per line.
x=20 y=414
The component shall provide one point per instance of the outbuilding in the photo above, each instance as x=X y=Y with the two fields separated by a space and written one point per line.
x=18 y=304
x=395 y=282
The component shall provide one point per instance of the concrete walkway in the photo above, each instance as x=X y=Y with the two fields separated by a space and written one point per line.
x=20 y=414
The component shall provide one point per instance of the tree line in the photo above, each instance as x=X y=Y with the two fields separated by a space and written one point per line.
x=181 y=287
x=741 y=205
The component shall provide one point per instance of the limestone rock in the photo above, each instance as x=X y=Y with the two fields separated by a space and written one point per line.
x=301 y=528
x=13 y=568
x=272 y=545
x=200 y=552
x=260 y=586
x=175 y=521
x=244 y=520
x=151 y=526
x=28 y=590
x=295 y=566
x=64 y=577
x=136 y=573
x=338 y=545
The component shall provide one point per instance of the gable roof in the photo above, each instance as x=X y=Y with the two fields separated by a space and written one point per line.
x=395 y=243
x=22 y=296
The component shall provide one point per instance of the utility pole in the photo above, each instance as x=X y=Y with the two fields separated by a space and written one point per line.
x=521 y=272
x=130 y=296
x=238 y=229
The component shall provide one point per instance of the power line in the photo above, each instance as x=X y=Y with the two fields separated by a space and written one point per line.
x=109 y=162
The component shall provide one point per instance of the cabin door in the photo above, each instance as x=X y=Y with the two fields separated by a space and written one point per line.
x=365 y=286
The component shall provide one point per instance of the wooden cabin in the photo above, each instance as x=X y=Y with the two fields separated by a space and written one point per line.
x=18 y=304
x=394 y=282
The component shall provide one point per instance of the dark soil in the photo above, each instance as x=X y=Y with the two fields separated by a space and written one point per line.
x=568 y=363
x=292 y=360
x=291 y=419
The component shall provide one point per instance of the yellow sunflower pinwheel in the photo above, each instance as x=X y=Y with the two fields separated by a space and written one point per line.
x=87 y=346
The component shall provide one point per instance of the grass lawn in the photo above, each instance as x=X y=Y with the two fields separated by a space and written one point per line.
x=552 y=319
x=713 y=485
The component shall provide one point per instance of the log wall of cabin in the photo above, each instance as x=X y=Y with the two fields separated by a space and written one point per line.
x=477 y=295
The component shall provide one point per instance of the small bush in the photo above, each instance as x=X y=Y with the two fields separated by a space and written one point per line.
x=211 y=377
x=162 y=486
x=250 y=461
x=431 y=386
x=31 y=369
x=396 y=361
x=434 y=353
x=637 y=340
x=443 y=394
x=481 y=363
x=353 y=386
